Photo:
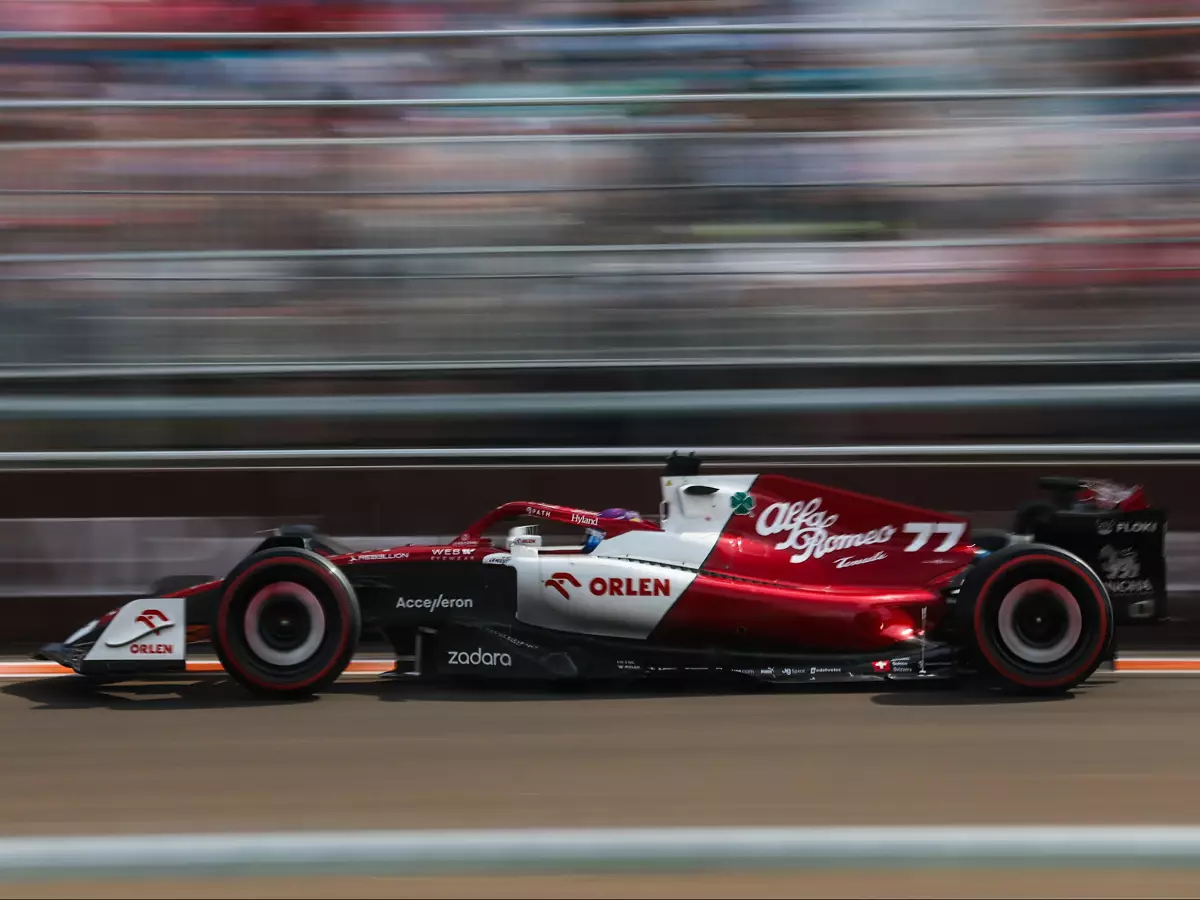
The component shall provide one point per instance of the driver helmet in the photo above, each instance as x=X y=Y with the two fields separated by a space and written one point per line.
x=595 y=536
x=618 y=513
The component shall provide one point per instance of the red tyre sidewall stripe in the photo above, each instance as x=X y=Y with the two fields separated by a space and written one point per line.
x=998 y=664
x=223 y=619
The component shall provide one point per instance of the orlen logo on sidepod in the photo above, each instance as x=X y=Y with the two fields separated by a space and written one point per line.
x=556 y=581
x=149 y=622
x=614 y=587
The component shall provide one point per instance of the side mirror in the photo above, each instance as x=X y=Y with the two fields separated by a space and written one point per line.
x=524 y=536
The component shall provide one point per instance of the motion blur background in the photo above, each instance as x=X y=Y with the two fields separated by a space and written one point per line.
x=845 y=205
x=575 y=223
x=331 y=224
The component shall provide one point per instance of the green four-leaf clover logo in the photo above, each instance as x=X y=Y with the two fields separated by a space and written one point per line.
x=742 y=503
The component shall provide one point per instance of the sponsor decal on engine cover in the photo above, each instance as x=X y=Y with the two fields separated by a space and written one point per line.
x=1108 y=526
x=742 y=503
x=1122 y=571
x=846 y=562
x=809 y=532
x=152 y=629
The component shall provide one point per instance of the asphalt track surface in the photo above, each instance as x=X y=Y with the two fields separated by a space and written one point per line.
x=197 y=754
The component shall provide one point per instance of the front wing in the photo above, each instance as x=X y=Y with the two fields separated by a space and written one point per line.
x=143 y=636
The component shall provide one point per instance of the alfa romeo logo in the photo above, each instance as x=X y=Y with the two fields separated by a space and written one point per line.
x=742 y=503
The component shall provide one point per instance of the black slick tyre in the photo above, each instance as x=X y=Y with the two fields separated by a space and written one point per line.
x=288 y=623
x=1038 y=618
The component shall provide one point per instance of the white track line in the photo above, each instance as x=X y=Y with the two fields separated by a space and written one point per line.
x=597 y=850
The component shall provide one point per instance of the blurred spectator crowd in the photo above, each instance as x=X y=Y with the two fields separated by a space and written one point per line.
x=874 y=223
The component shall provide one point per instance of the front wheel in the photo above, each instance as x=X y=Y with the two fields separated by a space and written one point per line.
x=1039 y=618
x=288 y=623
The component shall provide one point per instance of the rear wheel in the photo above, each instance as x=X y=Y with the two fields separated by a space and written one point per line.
x=288 y=623
x=1039 y=618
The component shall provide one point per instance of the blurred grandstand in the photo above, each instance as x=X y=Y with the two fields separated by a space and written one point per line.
x=812 y=221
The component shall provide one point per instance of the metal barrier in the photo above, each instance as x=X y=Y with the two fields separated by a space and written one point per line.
x=962 y=96
x=130 y=857
x=786 y=248
x=602 y=249
x=603 y=189
x=835 y=401
x=721 y=28
x=1041 y=124
x=1179 y=454
x=117 y=372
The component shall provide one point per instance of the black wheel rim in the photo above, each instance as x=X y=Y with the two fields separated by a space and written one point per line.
x=284 y=623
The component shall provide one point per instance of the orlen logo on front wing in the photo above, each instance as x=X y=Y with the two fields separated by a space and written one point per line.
x=149 y=622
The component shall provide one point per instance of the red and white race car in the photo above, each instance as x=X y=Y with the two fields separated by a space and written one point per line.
x=756 y=576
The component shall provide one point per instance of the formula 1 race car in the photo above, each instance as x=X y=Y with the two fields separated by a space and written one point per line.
x=755 y=576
